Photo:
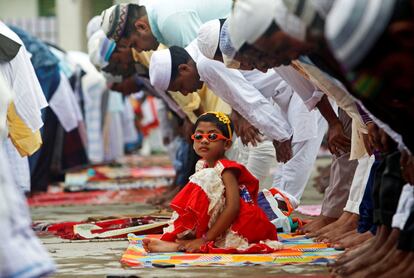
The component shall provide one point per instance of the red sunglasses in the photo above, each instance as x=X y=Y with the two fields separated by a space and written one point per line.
x=211 y=137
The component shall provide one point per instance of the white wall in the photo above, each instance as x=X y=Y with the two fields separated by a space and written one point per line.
x=12 y=9
x=73 y=16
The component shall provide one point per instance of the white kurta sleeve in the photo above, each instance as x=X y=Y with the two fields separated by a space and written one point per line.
x=308 y=92
x=233 y=88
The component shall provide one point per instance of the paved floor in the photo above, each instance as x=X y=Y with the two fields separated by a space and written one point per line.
x=101 y=258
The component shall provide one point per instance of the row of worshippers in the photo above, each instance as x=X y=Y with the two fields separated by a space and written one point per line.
x=56 y=113
x=82 y=121
x=291 y=71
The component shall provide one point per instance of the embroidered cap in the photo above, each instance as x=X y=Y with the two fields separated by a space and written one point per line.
x=114 y=21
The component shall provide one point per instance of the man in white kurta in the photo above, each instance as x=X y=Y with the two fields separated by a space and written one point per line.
x=257 y=159
x=260 y=110
x=20 y=76
x=21 y=253
x=257 y=94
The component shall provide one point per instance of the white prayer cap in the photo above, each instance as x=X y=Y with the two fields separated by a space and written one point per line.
x=288 y=22
x=226 y=47
x=208 y=38
x=93 y=25
x=249 y=20
x=100 y=49
x=353 y=27
x=160 y=69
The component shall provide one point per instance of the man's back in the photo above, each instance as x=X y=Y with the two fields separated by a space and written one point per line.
x=177 y=22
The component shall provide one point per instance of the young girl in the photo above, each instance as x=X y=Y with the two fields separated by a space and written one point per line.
x=217 y=211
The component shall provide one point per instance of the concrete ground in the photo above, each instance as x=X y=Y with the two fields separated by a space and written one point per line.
x=100 y=258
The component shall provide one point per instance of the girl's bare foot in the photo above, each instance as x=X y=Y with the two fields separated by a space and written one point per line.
x=156 y=245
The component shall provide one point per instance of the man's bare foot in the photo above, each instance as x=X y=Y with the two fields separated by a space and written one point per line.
x=156 y=245
x=339 y=231
x=402 y=269
x=408 y=270
x=351 y=254
x=316 y=224
x=339 y=222
x=361 y=251
x=345 y=235
x=372 y=256
x=352 y=240
x=391 y=260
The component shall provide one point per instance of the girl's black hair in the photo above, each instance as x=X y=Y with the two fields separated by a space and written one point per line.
x=179 y=56
x=212 y=118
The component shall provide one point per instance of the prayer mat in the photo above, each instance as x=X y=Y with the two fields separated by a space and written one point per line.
x=94 y=197
x=115 y=178
x=310 y=210
x=297 y=250
x=105 y=229
x=146 y=161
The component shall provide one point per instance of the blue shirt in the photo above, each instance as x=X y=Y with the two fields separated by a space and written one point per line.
x=177 y=22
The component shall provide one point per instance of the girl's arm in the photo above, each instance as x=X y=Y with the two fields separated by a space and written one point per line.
x=231 y=209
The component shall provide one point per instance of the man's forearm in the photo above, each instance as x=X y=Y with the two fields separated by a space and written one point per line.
x=325 y=108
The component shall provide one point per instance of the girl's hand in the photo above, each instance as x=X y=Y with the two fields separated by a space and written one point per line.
x=191 y=245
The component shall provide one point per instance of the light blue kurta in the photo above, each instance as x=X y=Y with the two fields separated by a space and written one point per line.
x=177 y=22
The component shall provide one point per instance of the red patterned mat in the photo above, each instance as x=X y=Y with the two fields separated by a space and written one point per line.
x=94 y=197
x=104 y=229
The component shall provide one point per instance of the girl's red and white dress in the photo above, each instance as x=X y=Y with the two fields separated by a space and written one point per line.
x=198 y=205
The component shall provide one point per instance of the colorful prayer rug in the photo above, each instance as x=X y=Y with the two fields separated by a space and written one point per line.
x=298 y=250
x=116 y=178
x=145 y=161
x=94 y=197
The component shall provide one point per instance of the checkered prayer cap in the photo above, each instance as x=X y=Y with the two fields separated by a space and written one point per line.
x=114 y=21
